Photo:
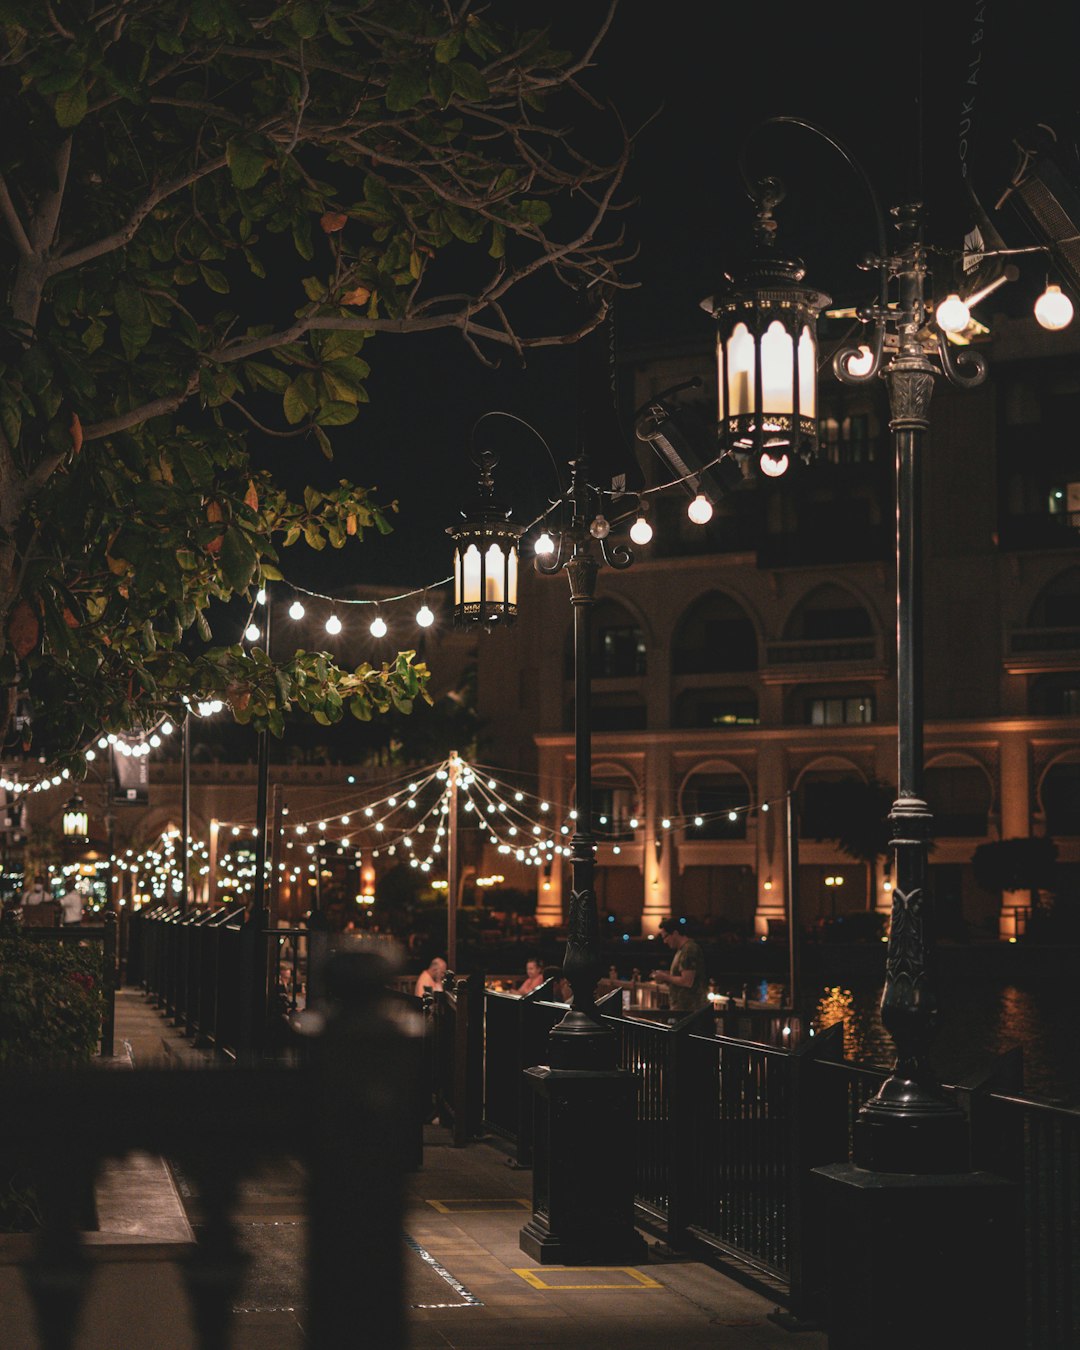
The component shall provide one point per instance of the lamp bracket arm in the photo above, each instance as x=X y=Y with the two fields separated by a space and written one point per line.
x=618 y=556
x=843 y=357
x=962 y=366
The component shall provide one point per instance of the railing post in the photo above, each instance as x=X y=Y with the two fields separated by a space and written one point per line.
x=468 y=1086
x=683 y=1114
x=108 y=985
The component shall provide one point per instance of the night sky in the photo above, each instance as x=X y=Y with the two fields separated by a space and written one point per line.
x=898 y=96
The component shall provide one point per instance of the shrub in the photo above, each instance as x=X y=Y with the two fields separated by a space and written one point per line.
x=51 y=1002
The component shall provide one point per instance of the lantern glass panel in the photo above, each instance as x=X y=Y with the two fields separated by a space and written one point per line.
x=807 y=373
x=494 y=574
x=468 y=570
x=740 y=364
x=776 y=370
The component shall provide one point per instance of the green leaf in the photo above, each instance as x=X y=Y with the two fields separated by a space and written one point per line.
x=340 y=414
x=237 y=558
x=214 y=279
x=266 y=377
x=70 y=106
x=305 y=20
x=447 y=48
x=442 y=85
x=498 y=240
x=337 y=343
x=360 y=708
x=324 y=443
x=247 y=163
x=314 y=288
x=468 y=82
x=299 y=399
x=406 y=87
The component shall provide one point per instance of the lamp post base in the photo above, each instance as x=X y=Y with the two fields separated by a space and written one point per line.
x=907 y=1128
x=920 y=1260
x=583 y=1169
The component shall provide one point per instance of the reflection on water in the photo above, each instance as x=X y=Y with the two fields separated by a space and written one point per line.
x=980 y=1019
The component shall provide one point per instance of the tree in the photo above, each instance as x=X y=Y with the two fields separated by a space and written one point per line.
x=1016 y=865
x=855 y=816
x=211 y=207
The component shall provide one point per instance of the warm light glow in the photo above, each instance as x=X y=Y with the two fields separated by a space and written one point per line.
x=860 y=365
x=767 y=886
x=378 y=626
x=641 y=532
x=544 y=545
x=333 y=625
x=424 y=617
x=252 y=632
x=774 y=468
x=296 y=610
x=1053 y=309
x=700 y=509
x=740 y=367
x=260 y=596
x=953 y=316
x=776 y=392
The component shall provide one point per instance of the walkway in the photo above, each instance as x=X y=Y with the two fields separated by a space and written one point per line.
x=470 y=1287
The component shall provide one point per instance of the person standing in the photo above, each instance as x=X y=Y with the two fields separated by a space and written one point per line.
x=71 y=906
x=686 y=979
x=37 y=894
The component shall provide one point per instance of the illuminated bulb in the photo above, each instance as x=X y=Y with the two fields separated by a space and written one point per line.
x=333 y=625
x=424 y=617
x=665 y=823
x=860 y=365
x=260 y=596
x=699 y=821
x=601 y=527
x=773 y=468
x=953 y=316
x=296 y=610
x=1053 y=309
x=378 y=626
x=252 y=632
x=544 y=545
x=641 y=531
x=700 y=510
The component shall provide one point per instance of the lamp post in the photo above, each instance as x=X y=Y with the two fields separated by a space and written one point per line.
x=585 y=1106
x=909 y=1194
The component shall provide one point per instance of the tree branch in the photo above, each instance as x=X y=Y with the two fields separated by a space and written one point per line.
x=14 y=224
x=143 y=413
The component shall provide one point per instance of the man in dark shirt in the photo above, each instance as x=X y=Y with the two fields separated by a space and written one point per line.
x=687 y=982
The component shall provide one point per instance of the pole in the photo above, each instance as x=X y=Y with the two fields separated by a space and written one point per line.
x=275 y=858
x=211 y=875
x=185 y=811
x=792 y=867
x=453 y=865
x=909 y=1126
x=261 y=796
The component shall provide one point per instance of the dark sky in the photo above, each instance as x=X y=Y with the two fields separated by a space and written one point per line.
x=900 y=96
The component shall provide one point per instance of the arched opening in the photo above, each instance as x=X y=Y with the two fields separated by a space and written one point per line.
x=1056 y=695
x=714 y=635
x=960 y=797
x=828 y=613
x=1060 y=794
x=1058 y=605
x=720 y=801
x=618 y=648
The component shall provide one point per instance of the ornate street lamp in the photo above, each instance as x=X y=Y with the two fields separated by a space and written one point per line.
x=485 y=556
x=76 y=821
x=583 y=1178
x=910 y=1175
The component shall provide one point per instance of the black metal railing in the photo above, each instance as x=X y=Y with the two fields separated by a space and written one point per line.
x=457 y=1030
x=344 y=1109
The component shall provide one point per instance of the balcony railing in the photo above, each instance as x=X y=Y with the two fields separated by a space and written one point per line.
x=1034 y=649
x=815 y=651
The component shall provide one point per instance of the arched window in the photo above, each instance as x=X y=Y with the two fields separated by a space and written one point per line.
x=615 y=804
x=719 y=801
x=618 y=643
x=960 y=797
x=821 y=799
x=715 y=635
x=829 y=612
x=1061 y=799
x=719 y=707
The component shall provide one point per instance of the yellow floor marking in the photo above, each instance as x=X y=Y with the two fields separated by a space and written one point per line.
x=478 y=1206
x=639 y=1281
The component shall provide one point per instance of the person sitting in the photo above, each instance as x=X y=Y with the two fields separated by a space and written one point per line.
x=71 y=906
x=431 y=980
x=561 y=991
x=534 y=977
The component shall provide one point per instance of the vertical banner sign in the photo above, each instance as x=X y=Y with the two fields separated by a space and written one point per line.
x=131 y=779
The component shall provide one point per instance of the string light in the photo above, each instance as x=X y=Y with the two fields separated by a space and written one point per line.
x=296 y=610
x=333 y=625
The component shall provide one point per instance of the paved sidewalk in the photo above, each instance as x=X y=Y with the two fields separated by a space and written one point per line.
x=469 y=1285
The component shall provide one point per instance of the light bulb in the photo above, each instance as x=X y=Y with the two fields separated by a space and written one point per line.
x=424 y=617
x=601 y=527
x=953 y=316
x=296 y=610
x=333 y=625
x=252 y=632
x=860 y=365
x=1053 y=309
x=544 y=545
x=700 y=510
x=773 y=467
x=641 y=531
x=260 y=596
x=378 y=626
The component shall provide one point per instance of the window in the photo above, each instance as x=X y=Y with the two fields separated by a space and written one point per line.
x=716 y=708
x=1061 y=799
x=614 y=806
x=959 y=797
x=836 y=623
x=1056 y=695
x=715 y=635
x=622 y=651
x=834 y=712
